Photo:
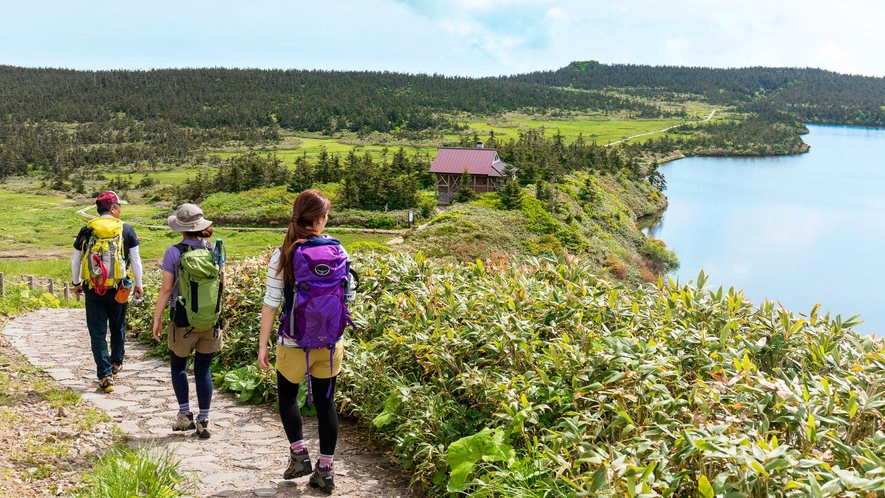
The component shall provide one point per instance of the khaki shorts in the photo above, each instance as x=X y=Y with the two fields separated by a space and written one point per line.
x=182 y=341
x=292 y=364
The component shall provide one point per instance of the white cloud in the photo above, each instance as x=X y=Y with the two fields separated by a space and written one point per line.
x=558 y=15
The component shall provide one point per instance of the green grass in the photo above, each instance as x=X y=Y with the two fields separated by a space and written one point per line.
x=602 y=131
x=40 y=230
x=174 y=176
x=146 y=471
x=313 y=146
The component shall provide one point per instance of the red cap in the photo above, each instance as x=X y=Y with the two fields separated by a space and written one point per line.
x=107 y=198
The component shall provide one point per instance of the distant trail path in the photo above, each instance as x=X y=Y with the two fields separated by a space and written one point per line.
x=659 y=131
x=247 y=450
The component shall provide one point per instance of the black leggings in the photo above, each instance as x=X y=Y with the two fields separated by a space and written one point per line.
x=327 y=415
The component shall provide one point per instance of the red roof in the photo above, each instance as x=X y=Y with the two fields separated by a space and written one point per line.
x=484 y=162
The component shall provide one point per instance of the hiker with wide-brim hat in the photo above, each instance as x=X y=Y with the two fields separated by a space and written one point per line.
x=105 y=263
x=204 y=340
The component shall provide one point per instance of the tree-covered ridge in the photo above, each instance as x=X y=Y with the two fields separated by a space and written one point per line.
x=316 y=101
x=813 y=95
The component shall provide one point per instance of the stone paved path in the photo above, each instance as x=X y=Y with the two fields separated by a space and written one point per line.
x=246 y=454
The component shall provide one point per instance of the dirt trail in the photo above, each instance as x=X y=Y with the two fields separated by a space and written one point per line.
x=658 y=131
x=247 y=450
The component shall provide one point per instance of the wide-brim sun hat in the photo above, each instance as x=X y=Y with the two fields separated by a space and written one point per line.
x=188 y=218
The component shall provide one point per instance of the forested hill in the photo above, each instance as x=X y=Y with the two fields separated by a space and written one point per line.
x=813 y=95
x=317 y=101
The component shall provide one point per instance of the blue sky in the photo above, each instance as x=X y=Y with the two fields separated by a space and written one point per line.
x=457 y=37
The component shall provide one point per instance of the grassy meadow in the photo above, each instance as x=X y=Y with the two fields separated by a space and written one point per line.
x=40 y=231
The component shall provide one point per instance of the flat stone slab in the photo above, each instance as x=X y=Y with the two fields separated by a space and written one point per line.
x=105 y=403
x=224 y=477
x=153 y=388
x=60 y=373
x=144 y=365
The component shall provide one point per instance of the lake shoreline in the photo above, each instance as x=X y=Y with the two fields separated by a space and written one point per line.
x=790 y=228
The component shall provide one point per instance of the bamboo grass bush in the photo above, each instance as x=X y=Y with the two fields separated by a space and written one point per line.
x=535 y=377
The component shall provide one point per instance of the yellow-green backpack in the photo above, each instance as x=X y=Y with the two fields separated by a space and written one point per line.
x=102 y=263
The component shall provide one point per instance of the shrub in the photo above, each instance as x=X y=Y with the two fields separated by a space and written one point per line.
x=616 y=267
x=448 y=215
x=659 y=259
x=490 y=200
x=538 y=220
x=543 y=380
x=19 y=299
x=537 y=378
x=545 y=244
x=367 y=246
x=570 y=236
x=381 y=221
x=426 y=200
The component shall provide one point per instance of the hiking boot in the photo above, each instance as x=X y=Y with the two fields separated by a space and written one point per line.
x=323 y=479
x=106 y=384
x=203 y=428
x=115 y=369
x=299 y=465
x=184 y=422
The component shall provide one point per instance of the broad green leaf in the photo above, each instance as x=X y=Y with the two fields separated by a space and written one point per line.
x=383 y=419
x=487 y=445
x=599 y=478
x=705 y=490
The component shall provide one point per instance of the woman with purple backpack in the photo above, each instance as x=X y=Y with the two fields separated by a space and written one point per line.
x=308 y=275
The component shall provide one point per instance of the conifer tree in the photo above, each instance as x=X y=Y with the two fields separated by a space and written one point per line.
x=302 y=177
x=465 y=193
x=511 y=194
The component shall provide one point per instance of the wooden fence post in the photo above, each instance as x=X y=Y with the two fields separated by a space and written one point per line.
x=52 y=286
x=67 y=291
x=31 y=282
x=2 y=290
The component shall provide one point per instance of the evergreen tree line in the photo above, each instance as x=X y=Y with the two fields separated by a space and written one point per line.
x=811 y=95
x=316 y=101
x=59 y=150
x=366 y=182
x=762 y=134
x=392 y=181
x=538 y=158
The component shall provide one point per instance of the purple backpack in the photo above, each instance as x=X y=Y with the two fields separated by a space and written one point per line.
x=315 y=313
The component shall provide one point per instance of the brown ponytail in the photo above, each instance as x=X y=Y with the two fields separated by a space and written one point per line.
x=309 y=206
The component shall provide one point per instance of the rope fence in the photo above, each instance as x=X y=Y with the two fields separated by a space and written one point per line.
x=35 y=283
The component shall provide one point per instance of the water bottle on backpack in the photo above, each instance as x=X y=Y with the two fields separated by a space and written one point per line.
x=218 y=254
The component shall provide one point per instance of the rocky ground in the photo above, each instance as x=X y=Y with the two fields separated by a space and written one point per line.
x=245 y=456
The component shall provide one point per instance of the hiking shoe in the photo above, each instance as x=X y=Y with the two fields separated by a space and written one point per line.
x=323 y=479
x=299 y=465
x=106 y=384
x=203 y=428
x=115 y=369
x=184 y=422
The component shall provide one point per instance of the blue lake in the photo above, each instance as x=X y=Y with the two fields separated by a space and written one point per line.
x=799 y=229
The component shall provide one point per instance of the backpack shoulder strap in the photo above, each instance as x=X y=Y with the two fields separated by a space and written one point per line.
x=320 y=241
x=182 y=247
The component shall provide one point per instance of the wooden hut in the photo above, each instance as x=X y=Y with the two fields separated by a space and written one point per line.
x=486 y=169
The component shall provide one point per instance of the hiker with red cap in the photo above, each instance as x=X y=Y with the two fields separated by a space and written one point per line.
x=106 y=269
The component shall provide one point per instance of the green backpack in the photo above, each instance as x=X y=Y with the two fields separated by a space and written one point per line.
x=198 y=305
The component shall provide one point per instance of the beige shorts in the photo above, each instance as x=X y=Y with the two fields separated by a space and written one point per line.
x=292 y=364
x=183 y=342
